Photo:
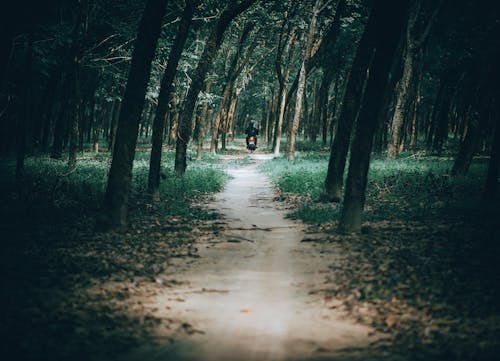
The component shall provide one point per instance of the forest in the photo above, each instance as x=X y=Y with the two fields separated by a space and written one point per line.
x=131 y=210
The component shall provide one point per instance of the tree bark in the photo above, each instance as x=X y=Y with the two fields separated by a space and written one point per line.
x=389 y=17
x=165 y=90
x=76 y=54
x=173 y=118
x=348 y=114
x=203 y=122
x=212 y=45
x=61 y=123
x=120 y=175
x=25 y=110
x=490 y=188
x=412 y=48
x=292 y=132
x=283 y=74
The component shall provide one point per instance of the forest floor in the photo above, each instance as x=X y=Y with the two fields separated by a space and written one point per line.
x=236 y=279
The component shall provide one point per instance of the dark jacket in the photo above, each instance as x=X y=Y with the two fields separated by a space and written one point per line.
x=251 y=131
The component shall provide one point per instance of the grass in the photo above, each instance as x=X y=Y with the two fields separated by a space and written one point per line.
x=404 y=188
x=49 y=188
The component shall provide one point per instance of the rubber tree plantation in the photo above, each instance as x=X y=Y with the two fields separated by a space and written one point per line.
x=136 y=225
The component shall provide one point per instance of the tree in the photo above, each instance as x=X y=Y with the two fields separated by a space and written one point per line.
x=292 y=132
x=212 y=45
x=412 y=54
x=238 y=62
x=388 y=17
x=120 y=175
x=286 y=39
x=165 y=90
x=348 y=114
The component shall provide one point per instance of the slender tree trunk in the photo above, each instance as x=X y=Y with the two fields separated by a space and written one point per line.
x=401 y=105
x=203 y=122
x=165 y=90
x=114 y=115
x=348 y=114
x=174 y=118
x=77 y=43
x=281 y=115
x=61 y=124
x=212 y=45
x=25 y=110
x=323 y=104
x=490 y=189
x=120 y=175
x=389 y=16
x=292 y=132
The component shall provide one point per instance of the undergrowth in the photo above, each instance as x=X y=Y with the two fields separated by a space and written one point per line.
x=51 y=190
x=403 y=189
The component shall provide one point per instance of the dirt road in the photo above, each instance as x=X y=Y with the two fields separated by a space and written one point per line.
x=248 y=297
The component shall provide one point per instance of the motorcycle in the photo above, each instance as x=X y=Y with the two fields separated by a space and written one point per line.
x=251 y=144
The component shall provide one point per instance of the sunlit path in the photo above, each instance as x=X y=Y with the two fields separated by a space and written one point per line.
x=247 y=297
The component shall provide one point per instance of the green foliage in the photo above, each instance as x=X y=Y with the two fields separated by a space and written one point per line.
x=51 y=188
x=403 y=189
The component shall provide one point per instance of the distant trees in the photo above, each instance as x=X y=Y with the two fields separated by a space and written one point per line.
x=213 y=43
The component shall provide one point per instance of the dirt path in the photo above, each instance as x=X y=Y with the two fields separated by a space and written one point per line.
x=248 y=296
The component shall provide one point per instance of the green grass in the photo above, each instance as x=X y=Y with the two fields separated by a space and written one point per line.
x=401 y=189
x=49 y=187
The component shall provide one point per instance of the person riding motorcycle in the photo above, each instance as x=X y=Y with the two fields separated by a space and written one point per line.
x=251 y=131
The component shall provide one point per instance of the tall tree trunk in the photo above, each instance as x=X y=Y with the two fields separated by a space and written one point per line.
x=490 y=188
x=348 y=114
x=212 y=45
x=165 y=90
x=77 y=43
x=322 y=112
x=120 y=175
x=61 y=123
x=25 y=109
x=389 y=17
x=203 y=122
x=281 y=115
x=283 y=69
x=292 y=132
x=401 y=105
x=174 y=119
x=114 y=115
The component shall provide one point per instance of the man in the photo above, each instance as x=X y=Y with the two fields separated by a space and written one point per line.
x=251 y=131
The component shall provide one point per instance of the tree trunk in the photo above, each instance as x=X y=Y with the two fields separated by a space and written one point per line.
x=292 y=132
x=174 y=119
x=389 y=19
x=203 y=122
x=323 y=104
x=165 y=90
x=114 y=115
x=348 y=114
x=61 y=124
x=490 y=189
x=281 y=115
x=120 y=175
x=77 y=44
x=25 y=110
x=212 y=45
x=401 y=105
